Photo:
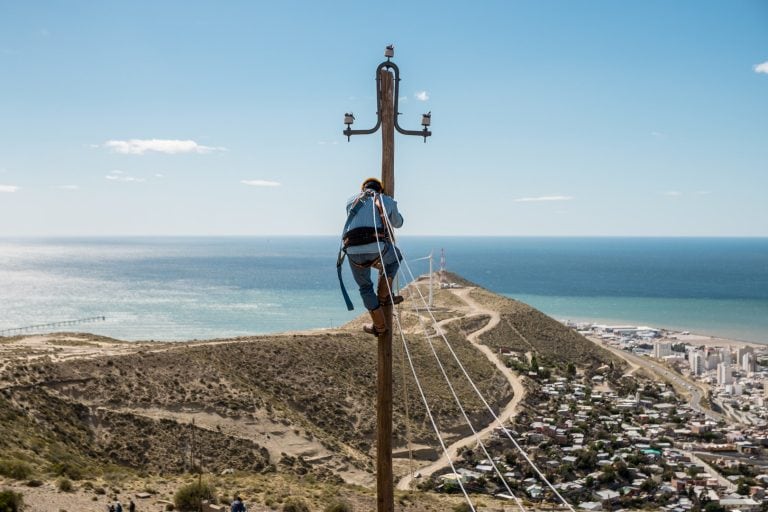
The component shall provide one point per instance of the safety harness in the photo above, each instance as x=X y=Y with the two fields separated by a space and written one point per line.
x=359 y=236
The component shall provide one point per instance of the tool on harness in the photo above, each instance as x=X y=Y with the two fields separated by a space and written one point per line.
x=357 y=236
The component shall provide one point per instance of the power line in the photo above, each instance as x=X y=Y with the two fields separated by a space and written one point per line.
x=466 y=418
x=477 y=391
x=490 y=409
x=413 y=369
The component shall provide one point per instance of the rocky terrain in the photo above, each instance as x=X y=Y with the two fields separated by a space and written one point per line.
x=297 y=407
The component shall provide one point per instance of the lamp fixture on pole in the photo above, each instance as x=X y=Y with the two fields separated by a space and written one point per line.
x=426 y=119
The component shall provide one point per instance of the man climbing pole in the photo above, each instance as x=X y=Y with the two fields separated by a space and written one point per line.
x=368 y=242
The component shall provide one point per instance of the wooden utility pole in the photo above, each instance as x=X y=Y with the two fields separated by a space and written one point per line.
x=387 y=79
x=384 y=479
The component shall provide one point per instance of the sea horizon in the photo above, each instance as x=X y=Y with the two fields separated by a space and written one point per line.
x=200 y=287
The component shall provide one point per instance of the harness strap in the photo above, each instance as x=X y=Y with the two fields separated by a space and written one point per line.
x=339 y=261
x=343 y=252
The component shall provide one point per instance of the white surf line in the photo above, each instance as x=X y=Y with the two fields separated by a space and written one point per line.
x=515 y=382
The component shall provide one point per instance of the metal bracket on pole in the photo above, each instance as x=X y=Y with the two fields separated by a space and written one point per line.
x=426 y=119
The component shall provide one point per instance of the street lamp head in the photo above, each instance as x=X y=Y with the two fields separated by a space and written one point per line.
x=426 y=119
x=349 y=118
x=389 y=51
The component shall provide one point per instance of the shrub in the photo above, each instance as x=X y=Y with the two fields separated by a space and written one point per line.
x=295 y=505
x=35 y=483
x=462 y=507
x=67 y=469
x=188 y=497
x=11 y=501
x=338 y=506
x=64 y=485
x=16 y=469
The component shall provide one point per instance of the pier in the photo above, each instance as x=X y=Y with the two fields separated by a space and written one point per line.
x=51 y=325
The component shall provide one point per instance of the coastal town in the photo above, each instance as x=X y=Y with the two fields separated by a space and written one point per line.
x=682 y=429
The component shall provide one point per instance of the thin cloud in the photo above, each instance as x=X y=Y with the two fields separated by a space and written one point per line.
x=422 y=95
x=703 y=192
x=9 y=188
x=542 y=198
x=761 y=68
x=68 y=187
x=260 y=183
x=121 y=177
x=167 y=146
x=671 y=193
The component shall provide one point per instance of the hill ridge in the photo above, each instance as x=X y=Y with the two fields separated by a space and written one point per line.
x=295 y=403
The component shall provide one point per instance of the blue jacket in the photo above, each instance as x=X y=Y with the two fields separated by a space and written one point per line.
x=368 y=216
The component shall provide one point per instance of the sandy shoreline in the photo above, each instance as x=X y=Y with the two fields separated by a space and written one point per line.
x=677 y=334
x=715 y=341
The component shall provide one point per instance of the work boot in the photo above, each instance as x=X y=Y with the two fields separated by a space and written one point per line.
x=379 y=325
x=385 y=285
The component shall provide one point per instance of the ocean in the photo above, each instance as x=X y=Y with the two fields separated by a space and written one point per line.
x=179 y=288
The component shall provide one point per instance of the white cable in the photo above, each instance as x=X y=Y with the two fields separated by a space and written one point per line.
x=490 y=409
x=480 y=395
x=410 y=361
x=466 y=418
x=458 y=402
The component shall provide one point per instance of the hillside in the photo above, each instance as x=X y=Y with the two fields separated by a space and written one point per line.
x=298 y=404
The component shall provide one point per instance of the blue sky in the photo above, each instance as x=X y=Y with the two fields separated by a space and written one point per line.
x=224 y=118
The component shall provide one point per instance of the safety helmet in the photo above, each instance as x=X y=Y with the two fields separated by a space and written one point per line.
x=373 y=183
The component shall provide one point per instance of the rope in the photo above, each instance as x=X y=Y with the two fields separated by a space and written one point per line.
x=408 y=433
x=413 y=369
x=490 y=409
x=461 y=408
x=466 y=418
x=477 y=391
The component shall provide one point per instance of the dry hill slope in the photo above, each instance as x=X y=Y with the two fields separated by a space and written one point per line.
x=300 y=404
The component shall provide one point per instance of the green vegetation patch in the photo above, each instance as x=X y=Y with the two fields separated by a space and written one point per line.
x=189 y=497
x=11 y=501
x=16 y=469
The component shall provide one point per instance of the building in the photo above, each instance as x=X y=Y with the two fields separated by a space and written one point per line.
x=712 y=359
x=724 y=375
x=748 y=362
x=743 y=350
x=696 y=361
x=661 y=350
x=742 y=504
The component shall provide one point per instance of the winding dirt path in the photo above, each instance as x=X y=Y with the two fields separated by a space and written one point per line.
x=514 y=381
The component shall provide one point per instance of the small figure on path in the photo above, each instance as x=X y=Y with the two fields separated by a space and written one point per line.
x=368 y=242
x=131 y=505
x=238 y=505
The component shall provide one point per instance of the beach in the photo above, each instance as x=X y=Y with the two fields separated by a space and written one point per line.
x=716 y=341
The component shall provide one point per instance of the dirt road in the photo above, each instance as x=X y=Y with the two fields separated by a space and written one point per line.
x=514 y=381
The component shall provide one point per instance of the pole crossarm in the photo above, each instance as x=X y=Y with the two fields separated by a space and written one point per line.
x=425 y=121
